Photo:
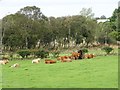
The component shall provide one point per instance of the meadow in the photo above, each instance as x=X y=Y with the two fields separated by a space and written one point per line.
x=98 y=72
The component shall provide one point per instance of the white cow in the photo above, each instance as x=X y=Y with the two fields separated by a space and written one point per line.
x=36 y=60
x=3 y=62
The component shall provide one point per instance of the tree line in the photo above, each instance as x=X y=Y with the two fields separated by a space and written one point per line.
x=29 y=28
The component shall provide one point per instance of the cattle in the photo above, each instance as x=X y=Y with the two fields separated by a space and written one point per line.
x=66 y=60
x=81 y=54
x=65 y=57
x=75 y=55
x=15 y=65
x=62 y=57
x=71 y=57
x=36 y=60
x=88 y=56
x=48 y=61
x=3 y=62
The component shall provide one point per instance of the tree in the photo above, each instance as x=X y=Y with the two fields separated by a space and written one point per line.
x=103 y=17
x=13 y=35
x=114 y=19
x=32 y=12
x=87 y=12
x=104 y=36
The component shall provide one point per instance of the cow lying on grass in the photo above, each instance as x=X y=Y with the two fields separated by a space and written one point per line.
x=75 y=55
x=66 y=57
x=62 y=57
x=88 y=56
x=3 y=62
x=36 y=60
x=47 y=61
x=15 y=65
x=66 y=60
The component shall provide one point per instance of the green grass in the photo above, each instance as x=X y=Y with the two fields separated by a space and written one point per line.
x=0 y=77
x=99 y=72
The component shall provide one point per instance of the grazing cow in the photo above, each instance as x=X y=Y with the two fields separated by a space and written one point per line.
x=36 y=60
x=15 y=65
x=89 y=56
x=47 y=61
x=3 y=62
x=75 y=55
x=66 y=60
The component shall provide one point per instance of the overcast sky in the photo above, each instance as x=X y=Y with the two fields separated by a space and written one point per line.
x=59 y=8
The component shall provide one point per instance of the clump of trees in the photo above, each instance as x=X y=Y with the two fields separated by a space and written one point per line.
x=29 y=28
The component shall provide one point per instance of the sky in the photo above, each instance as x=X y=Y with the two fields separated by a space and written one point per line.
x=58 y=8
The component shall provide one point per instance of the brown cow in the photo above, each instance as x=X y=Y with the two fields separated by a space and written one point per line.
x=48 y=61
x=89 y=56
x=62 y=57
x=75 y=55
x=66 y=60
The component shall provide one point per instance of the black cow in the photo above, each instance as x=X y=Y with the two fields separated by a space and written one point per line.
x=81 y=54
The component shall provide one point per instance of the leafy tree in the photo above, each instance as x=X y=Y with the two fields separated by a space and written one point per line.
x=87 y=12
x=103 y=17
x=114 y=19
x=32 y=12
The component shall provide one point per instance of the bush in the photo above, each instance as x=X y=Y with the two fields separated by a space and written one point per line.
x=107 y=49
x=55 y=53
x=85 y=50
x=42 y=53
x=24 y=53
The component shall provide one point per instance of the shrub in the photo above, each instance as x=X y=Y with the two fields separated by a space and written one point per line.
x=55 y=53
x=42 y=53
x=85 y=50
x=24 y=53
x=107 y=49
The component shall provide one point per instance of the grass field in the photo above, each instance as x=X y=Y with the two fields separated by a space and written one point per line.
x=98 y=72
x=0 y=77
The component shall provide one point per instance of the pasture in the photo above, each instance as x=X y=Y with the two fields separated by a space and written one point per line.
x=98 y=72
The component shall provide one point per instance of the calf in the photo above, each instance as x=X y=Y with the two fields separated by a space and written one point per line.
x=15 y=65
